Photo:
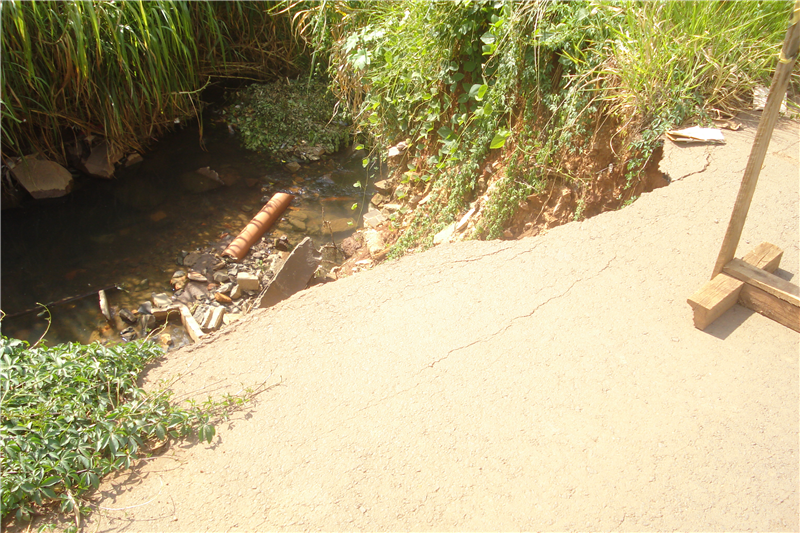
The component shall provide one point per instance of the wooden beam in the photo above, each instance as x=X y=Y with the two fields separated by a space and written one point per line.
x=789 y=52
x=765 y=256
x=721 y=293
x=766 y=281
x=768 y=305
x=713 y=299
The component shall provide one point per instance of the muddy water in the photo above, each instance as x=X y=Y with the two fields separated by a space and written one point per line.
x=128 y=232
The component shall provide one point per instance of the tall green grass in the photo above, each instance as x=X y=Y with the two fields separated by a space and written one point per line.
x=125 y=70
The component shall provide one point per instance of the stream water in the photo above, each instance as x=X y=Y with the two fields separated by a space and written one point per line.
x=129 y=231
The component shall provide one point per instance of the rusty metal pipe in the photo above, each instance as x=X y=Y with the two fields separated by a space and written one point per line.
x=273 y=209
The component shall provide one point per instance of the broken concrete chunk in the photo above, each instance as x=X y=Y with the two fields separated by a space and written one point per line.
x=43 y=179
x=374 y=218
x=214 y=319
x=247 y=281
x=293 y=275
x=445 y=235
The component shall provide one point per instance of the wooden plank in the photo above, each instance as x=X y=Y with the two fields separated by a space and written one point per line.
x=713 y=299
x=789 y=52
x=780 y=288
x=765 y=256
x=768 y=305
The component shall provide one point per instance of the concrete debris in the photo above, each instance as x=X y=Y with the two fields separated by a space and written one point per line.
x=247 y=281
x=293 y=275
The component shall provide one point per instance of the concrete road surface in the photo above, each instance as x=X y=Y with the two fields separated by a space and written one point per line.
x=551 y=383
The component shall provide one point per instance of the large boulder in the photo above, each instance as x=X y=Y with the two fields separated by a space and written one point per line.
x=43 y=179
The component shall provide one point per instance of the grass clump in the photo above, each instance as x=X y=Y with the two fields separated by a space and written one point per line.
x=126 y=70
x=73 y=413
x=288 y=119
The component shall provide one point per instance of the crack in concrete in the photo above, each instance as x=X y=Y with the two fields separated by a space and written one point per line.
x=705 y=167
x=491 y=336
x=471 y=259
x=527 y=315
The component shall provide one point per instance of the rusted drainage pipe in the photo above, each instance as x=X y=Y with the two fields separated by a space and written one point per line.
x=258 y=226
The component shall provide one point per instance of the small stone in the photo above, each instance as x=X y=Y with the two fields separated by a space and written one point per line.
x=127 y=316
x=384 y=186
x=247 y=281
x=236 y=292
x=378 y=200
x=293 y=275
x=147 y=322
x=161 y=300
x=374 y=242
x=133 y=158
x=282 y=244
x=397 y=150
x=191 y=258
x=195 y=276
x=225 y=288
x=221 y=277
x=293 y=166
x=158 y=216
x=391 y=208
x=201 y=314
x=349 y=246
x=165 y=339
x=146 y=308
x=128 y=334
x=222 y=298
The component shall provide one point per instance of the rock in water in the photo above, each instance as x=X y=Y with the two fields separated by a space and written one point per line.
x=43 y=179
x=127 y=316
x=200 y=180
x=293 y=275
x=100 y=163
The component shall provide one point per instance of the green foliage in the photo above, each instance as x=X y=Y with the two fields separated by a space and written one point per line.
x=288 y=118
x=73 y=413
x=462 y=81
x=125 y=70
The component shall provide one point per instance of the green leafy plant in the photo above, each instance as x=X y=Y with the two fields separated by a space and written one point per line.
x=531 y=84
x=72 y=413
x=287 y=119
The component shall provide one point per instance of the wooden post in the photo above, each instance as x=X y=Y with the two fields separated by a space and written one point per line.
x=791 y=46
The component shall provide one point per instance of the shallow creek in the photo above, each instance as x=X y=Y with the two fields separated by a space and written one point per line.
x=130 y=231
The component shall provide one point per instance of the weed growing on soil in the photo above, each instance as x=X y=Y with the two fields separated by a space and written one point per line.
x=73 y=413
x=288 y=118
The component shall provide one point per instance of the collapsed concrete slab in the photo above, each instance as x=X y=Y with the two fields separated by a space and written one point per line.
x=293 y=275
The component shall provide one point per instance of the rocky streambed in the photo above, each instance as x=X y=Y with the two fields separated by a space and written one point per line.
x=152 y=237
